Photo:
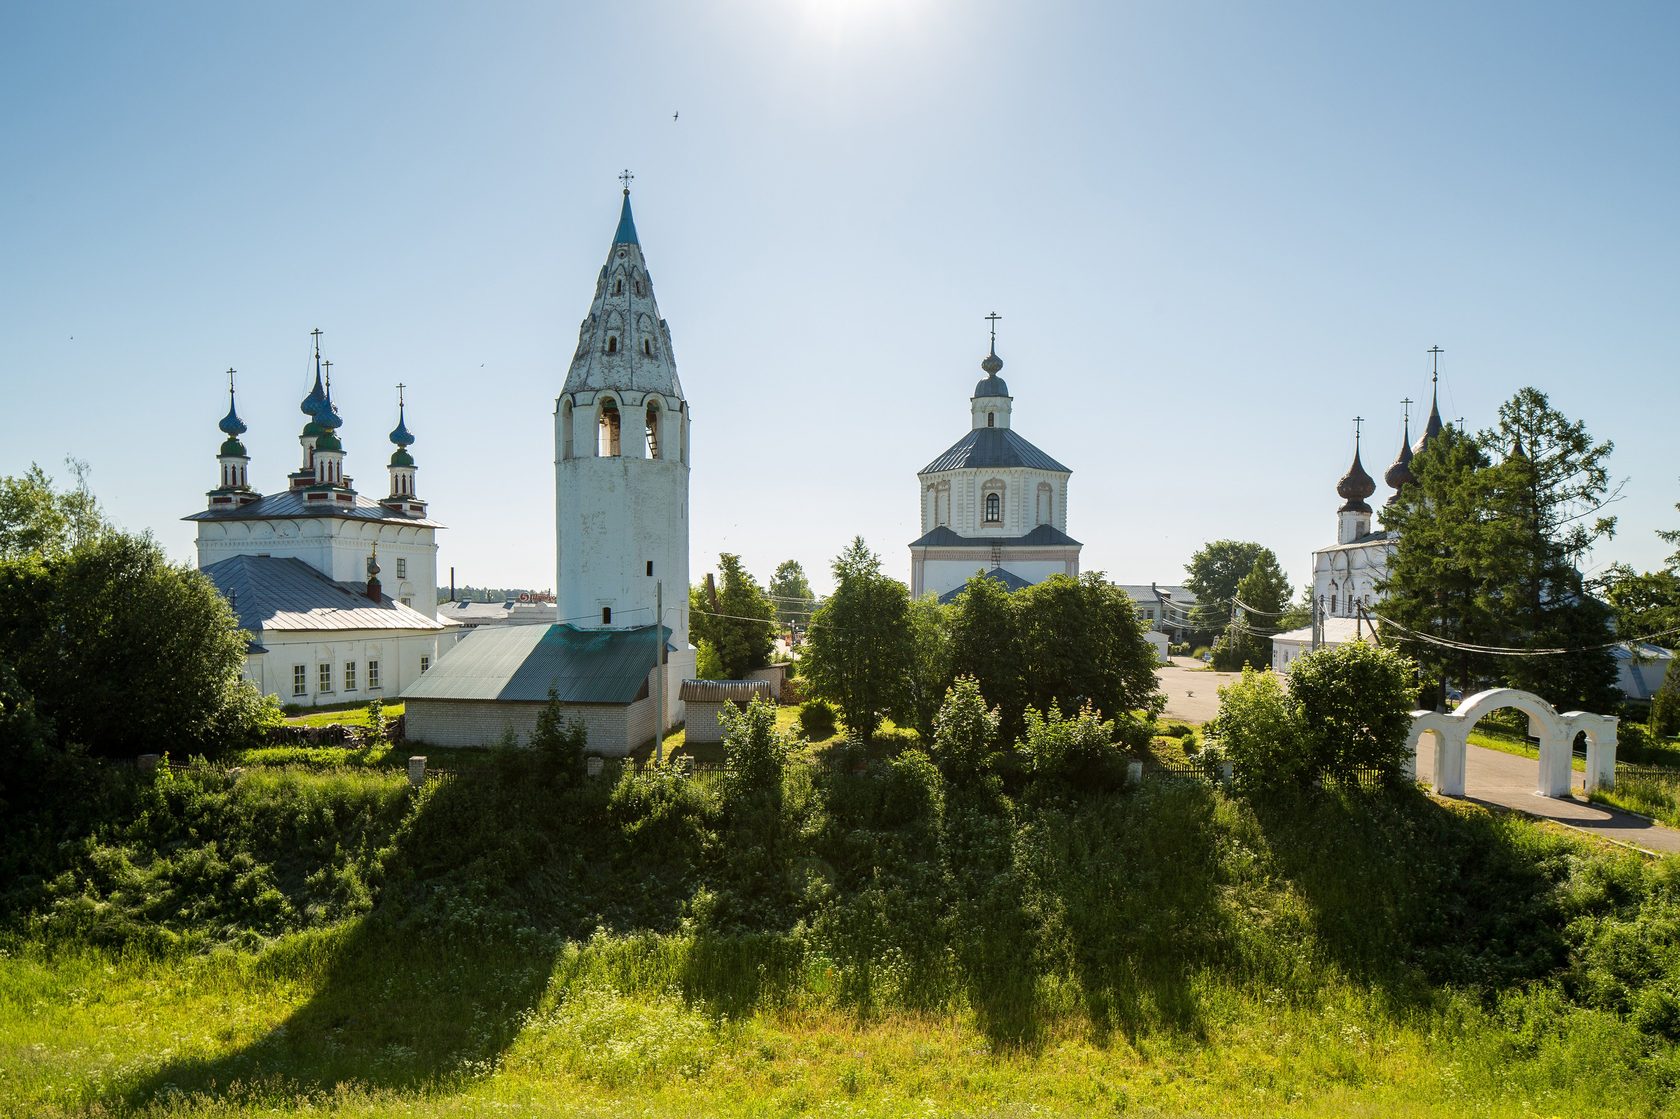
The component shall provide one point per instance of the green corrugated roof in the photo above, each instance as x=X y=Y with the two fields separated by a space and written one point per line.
x=520 y=663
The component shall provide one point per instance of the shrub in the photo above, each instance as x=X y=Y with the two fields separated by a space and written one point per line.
x=1259 y=729
x=559 y=743
x=1077 y=753
x=1665 y=706
x=1354 y=705
x=817 y=719
x=965 y=735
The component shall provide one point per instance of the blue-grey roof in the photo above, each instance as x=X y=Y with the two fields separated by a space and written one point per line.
x=290 y=505
x=991 y=385
x=945 y=537
x=986 y=447
x=271 y=593
x=1010 y=581
x=626 y=234
x=520 y=663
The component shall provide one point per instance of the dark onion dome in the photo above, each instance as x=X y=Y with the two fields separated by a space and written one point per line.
x=231 y=424
x=1430 y=429
x=328 y=442
x=402 y=457
x=327 y=416
x=317 y=396
x=233 y=447
x=1356 y=486
x=400 y=434
x=993 y=385
x=1400 y=471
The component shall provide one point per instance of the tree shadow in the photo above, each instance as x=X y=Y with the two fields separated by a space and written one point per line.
x=1406 y=894
x=485 y=884
x=1133 y=886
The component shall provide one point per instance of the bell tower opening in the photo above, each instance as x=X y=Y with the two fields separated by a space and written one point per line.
x=607 y=442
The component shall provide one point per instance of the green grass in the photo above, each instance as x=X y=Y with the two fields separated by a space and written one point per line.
x=1648 y=791
x=863 y=939
x=1516 y=745
x=348 y=714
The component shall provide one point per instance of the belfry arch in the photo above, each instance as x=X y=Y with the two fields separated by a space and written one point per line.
x=1448 y=734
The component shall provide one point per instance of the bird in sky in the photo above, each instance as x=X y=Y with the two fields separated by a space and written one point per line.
x=676 y=114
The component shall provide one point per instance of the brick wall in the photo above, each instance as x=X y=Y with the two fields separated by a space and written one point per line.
x=612 y=729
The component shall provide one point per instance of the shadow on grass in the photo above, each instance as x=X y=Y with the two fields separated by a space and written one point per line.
x=1406 y=893
x=485 y=884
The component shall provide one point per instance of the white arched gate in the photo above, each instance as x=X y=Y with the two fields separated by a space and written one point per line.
x=1450 y=733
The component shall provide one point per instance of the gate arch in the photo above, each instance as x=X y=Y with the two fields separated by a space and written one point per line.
x=1449 y=735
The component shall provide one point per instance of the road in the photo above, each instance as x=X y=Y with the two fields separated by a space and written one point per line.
x=1490 y=777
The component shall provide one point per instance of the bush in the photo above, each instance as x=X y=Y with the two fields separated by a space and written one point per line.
x=965 y=734
x=1354 y=703
x=1080 y=753
x=559 y=743
x=1258 y=728
x=817 y=719
x=1665 y=706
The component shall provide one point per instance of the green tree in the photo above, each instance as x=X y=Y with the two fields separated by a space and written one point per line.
x=741 y=624
x=38 y=520
x=1082 y=645
x=791 y=593
x=858 y=652
x=121 y=650
x=1354 y=705
x=986 y=645
x=1261 y=599
x=1644 y=603
x=965 y=742
x=1212 y=576
x=929 y=672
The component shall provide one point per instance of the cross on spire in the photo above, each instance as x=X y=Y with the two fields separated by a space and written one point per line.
x=400 y=387
x=1435 y=374
x=230 y=380
x=316 y=334
x=326 y=363
x=1408 y=403
x=626 y=178
x=1357 y=421
x=993 y=319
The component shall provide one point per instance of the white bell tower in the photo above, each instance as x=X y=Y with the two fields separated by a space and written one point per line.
x=621 y=447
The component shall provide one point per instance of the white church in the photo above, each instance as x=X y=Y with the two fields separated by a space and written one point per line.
x=301 y=568
x=620 y=648
x=992 y=503
x=1346 y=574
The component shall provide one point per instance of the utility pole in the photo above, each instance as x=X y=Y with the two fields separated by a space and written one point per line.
x=659 y=674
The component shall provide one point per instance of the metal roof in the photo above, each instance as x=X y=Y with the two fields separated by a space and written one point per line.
x=1010 y=581
x=992 y=447
x=520 y=663
x=945 y=537
x=726 y=691
x=290 y=504
x=272 y=593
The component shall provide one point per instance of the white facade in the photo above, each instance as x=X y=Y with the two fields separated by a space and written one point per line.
x=358 y=665
x=991 y=502
x=338 y=548
x=621 y=451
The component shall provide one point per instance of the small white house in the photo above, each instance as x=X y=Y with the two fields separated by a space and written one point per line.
x=706 y=699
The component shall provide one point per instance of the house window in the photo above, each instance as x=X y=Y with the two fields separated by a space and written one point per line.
x=402 y=569
x=606 y=615
x=323 y=677
x=425 y=663
x=408 y=600
x=650 y=567
x=300 y=679
x=994 y=509
x=349 y=676
x=991 y=419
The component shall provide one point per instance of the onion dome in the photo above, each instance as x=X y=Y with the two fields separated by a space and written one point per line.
x=993 y=385
x=233 y=447
x=402 y=457
x=317 y=396
x=328 y=442
x=1356 y=486
x=313 y=429
x=231 y=425
x=1400 y=471
x=400 y=434
x=1433 y=427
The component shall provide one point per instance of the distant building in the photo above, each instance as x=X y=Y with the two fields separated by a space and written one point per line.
x=992 y=503
x=302 y=568
x=619 y=643
x=509 y=612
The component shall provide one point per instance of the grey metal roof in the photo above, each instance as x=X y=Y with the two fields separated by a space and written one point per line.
x=271 y=593
x=520 y=663
x=945 y=537
x=1010 y=581
x=992 y=447
x=726 y=691
x=290 y=505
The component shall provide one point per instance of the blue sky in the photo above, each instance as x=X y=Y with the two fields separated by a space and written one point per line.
x=1215 y=234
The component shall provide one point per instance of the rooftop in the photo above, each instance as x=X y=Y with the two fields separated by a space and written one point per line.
x=521 y=663
x=273 y=593
x=993 y=447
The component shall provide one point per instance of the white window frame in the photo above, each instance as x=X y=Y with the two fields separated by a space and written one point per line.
x=324 y=677
x=300 y=679
x=349 y=676
x=373 y=676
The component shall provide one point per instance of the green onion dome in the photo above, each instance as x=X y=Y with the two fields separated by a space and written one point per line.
x=402 y=457
x=328 y=442
x=233 y=447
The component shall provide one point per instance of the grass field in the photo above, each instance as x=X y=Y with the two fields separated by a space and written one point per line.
x=856 y=933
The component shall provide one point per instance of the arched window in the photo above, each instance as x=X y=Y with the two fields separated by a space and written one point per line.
x=607 y=443
x=653 y=429
x=991 y=419
x=612 y=343
x=994 y=508
x=566 y=430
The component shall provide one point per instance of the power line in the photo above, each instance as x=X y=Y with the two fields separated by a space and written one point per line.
x=1506 y=650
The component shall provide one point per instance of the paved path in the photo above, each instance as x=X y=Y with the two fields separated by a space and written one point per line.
x=1490 y=777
